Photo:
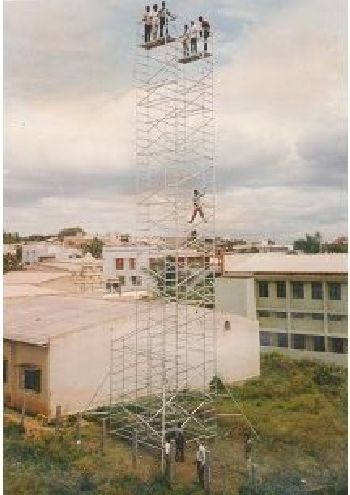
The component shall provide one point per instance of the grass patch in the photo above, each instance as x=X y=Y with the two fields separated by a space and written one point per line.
x=298 y=408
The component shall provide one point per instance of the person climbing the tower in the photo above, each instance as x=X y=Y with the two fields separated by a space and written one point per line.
x=194 y=37
x=204 y=31
x=197 y=205
x=185 y=41
x=164 y=15
x=147 y=20
x=155 y=22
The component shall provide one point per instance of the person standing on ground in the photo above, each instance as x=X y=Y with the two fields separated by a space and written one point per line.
x=167 y=448
x=147 y=20
x=197 y=205
x=200 y=460
x=179 y=443
x=193 y=35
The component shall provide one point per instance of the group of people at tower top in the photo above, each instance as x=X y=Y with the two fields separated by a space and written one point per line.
x=156 y=27
x=193 y=34
x=156 y=22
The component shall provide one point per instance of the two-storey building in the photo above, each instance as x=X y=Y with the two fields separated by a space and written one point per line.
x=300 y=301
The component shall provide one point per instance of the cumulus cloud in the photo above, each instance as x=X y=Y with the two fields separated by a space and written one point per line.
x=280 y=112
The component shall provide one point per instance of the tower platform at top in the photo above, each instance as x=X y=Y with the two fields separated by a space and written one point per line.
x=158 y=42
x=193 y=58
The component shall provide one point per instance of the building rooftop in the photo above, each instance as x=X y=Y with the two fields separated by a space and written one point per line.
x=24 y=277
x=250 y=264
x=38 y=319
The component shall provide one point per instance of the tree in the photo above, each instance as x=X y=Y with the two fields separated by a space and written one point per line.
x=311 y=243
x=70 y=231
x=94 y=247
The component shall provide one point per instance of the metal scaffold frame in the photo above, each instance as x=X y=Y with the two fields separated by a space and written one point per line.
x=162 y=373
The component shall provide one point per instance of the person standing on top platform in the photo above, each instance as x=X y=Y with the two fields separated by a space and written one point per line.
x=185 y=41
x=204 y=32
x=164 y=15
x=193 y=35
x=155 y=22
x=147 y=19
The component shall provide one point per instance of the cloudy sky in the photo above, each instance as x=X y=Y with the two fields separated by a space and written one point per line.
x=281 y=132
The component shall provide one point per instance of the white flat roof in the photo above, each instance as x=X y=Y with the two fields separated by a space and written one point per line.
x=37 y=319
x=235 y=264
x=31 y=277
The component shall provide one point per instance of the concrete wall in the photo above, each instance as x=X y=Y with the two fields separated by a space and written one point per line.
x=236 y=295
x=80 y=360
x=18 y=353
x=238 y=351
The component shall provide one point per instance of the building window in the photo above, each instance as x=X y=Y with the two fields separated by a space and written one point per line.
x=31 y=379
x=316 y=290
x=335 y=317
x=5 y=370
x=132 y=263
x=337 y=345
x=227 y=325
x=265 y=339
x=317 y=316
x=119 y=263
x=281 y=315
x=136 y=280
x=298 y=316
x=298 y=290
x=281 y=289
x=319 y=344
x=282 y=340
x=334 y=291
x=298 y=341
x=264 y=314
x=263 y=289
x=121 y=279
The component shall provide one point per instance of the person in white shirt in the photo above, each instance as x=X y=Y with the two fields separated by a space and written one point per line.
x=167 y=448
x=185 y=41
x=155 y=22
x=197 y=205
x=194 y=36
x=200 y=460
x=147 y=20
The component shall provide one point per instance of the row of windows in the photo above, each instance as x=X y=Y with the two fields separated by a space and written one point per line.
x=134 y=280
x=296 y=315
x=29 y=378
x=298 y=341
x=121 y=262
x=334 y=290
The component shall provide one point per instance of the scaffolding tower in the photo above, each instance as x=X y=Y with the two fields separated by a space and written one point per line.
x=162 y=373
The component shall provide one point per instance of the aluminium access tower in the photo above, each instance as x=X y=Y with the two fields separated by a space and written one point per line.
x=162 y=373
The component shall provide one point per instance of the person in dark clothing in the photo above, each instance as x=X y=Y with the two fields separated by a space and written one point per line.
x=204 y=31
x=147 y=19
x=179 y=443
x=164 y=15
